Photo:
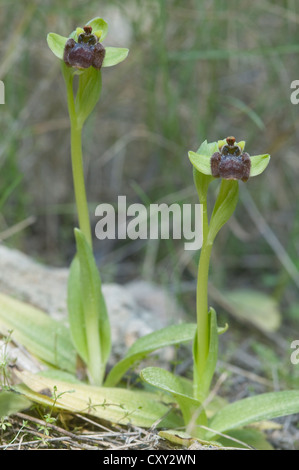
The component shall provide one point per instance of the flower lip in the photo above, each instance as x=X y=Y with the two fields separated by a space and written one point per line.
x=230 y=162
x=87 y=52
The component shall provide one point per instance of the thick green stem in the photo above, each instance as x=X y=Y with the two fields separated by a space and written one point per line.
x=223 y=209
x=79 y=184
x=77 y=163
x=95 y=366
x=202 y=307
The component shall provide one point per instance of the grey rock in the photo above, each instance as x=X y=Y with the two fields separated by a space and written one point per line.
x=135 y=309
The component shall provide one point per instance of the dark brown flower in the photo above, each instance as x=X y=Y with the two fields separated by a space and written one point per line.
x=231 y=162
x=87 y=52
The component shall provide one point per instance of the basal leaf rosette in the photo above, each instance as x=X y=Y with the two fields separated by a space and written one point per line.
x=88 y=40
x=228 y=160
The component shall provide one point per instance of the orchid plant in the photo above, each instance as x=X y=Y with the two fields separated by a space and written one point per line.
x=227 y=160
x=82 y=56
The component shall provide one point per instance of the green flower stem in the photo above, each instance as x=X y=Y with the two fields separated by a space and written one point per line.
x=96 y=367
x=223 y=209
x=77 y=161
x=202 y=183
x=202 y=307
x=79 y=184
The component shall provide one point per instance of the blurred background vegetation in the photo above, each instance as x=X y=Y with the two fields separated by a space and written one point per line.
x=198 y=69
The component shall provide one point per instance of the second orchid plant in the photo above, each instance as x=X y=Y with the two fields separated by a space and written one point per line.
x=225 y=159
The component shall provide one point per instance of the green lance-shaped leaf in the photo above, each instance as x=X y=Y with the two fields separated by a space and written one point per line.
x=245 y=438
x=252 y=409
x=96 y=320
x=181 y=390
x=202 y=381
x=169 y=336
x=46 y=338
x=12 y=402
x=76 y=310
x=201 y=182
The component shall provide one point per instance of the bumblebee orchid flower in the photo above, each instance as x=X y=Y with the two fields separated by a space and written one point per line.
x=83 y=49
x=227 y=159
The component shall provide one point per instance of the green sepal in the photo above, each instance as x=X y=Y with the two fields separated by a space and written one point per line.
x=99 y=27
x=114 y=55
x=202 y=163
x=201 y=159
x=258 y=164
x=57 y=44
